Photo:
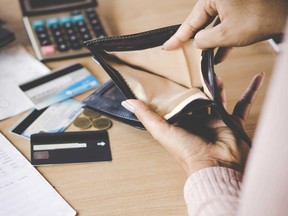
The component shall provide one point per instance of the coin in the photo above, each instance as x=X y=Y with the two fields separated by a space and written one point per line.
x=82 y=122
x=102 y=123
x=91 y=114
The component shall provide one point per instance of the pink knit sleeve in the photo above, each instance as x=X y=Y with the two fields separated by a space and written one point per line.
x=213 y=191
x=265 y=183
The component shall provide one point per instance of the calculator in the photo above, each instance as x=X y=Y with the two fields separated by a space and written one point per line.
x=58 y=28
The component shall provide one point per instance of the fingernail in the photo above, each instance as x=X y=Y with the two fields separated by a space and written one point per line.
x=164 y=46
x=168 y=45
x=128 y=106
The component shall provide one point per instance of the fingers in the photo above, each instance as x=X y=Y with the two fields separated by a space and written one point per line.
x=244 y=104
x=211 y=37
x=202 y=14
x=168 y=135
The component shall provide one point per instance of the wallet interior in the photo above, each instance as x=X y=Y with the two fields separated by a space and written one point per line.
x=165 y=80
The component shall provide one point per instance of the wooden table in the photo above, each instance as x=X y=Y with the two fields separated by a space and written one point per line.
x=143 y=179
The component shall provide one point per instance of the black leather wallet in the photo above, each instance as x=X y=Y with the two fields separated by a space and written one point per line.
x=174 y=84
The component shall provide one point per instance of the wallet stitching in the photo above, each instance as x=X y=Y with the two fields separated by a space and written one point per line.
x=158 y=31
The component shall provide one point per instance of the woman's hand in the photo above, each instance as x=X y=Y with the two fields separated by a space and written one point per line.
x=241 y=23
x=209 y=142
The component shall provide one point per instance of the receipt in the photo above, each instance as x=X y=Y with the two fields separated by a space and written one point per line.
x=18 y=66
x=12 y=100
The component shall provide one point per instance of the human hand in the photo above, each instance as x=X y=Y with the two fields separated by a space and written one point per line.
x=196 y=149
x=241 y=23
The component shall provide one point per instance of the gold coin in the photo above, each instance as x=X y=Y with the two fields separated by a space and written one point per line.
x=82 y=122
x=102 y=123
x=91 y=114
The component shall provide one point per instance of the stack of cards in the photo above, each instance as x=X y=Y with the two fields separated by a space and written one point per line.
x=50 y=95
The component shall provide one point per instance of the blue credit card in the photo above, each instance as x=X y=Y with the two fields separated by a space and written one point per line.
x=59 y=85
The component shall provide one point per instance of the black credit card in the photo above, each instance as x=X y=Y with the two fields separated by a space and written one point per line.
x=70 y=147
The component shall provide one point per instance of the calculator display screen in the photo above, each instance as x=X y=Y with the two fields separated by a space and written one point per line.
x=35 y=4
x=41 y=7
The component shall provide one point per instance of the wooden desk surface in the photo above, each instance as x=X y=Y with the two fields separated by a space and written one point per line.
x=142 y=179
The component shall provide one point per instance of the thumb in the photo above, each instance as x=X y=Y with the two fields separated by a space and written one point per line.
x=211 y=38
x=151 y=121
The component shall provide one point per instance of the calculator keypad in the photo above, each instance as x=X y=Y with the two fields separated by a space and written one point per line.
x=67 y=32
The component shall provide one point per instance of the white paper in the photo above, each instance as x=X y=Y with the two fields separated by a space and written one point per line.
x=12 y=100
x=17 y=65
x=23 y=191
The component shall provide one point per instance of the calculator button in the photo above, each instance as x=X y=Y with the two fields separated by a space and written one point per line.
x=97 y=28
x=86 y=37
x=40 y=30
x=57 y=33
x=80 y=24
x=62 y=47
x=76 y=45
x=91 y=15
x=94 y=22
x=52 y=22
x=75 y=12
x=68 y=25
x=54 y=28
x=38 y=24
x=77 y=18
x=88 y=10
x=43 y=36
x=45 y=42
x=47 y=50
x=72 y=38
x=70 y=31
x=64 y=20
x=59 y=40
x=83 y=30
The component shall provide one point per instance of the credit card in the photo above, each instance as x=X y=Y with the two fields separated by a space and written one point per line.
x=59 y=85
x=70 y=147
x=55 y=118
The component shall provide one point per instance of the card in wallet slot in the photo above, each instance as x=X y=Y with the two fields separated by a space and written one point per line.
x=70 y=147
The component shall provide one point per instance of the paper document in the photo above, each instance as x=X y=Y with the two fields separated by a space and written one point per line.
x=12 y=100
x=23 y=191
x=19 y=66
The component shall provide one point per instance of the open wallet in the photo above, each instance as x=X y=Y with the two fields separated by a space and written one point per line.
x=173 y=83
